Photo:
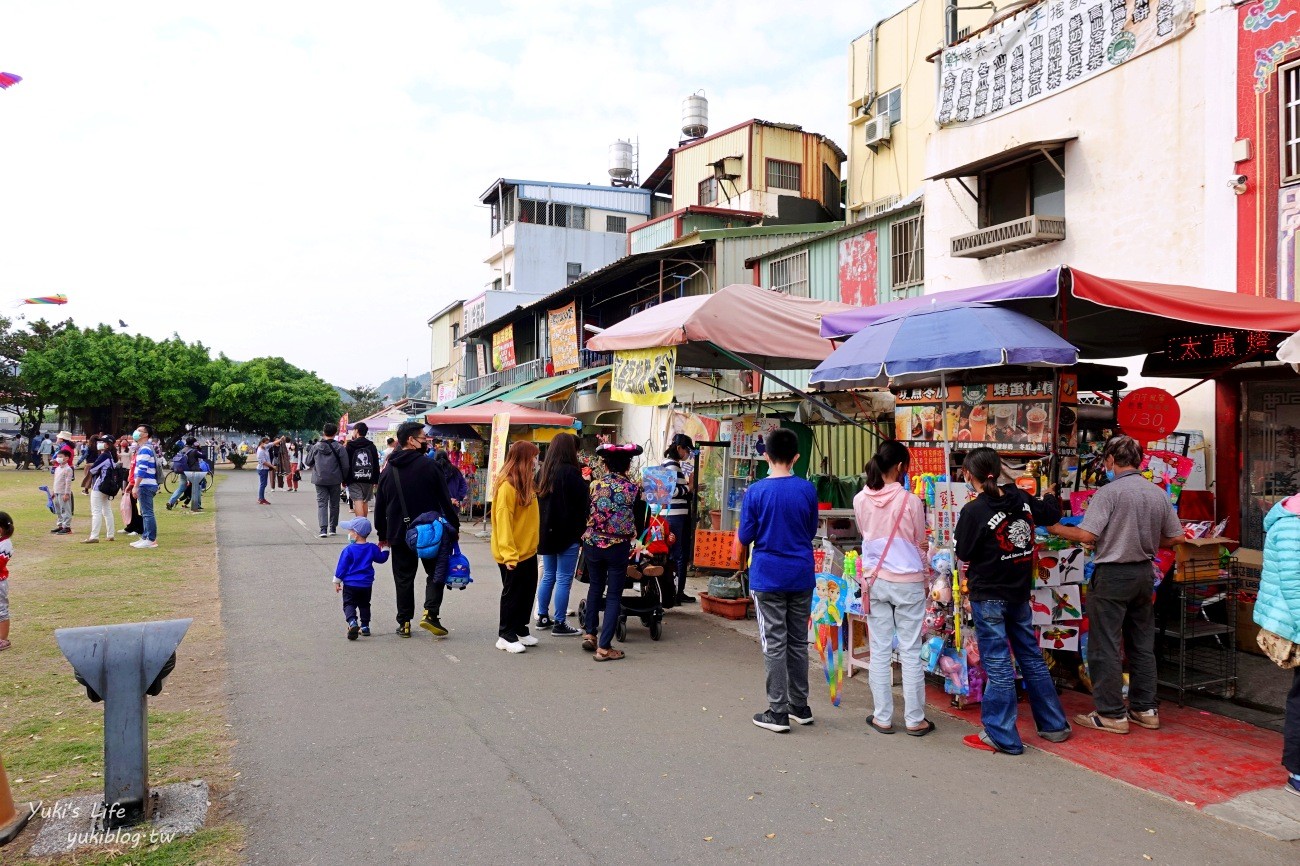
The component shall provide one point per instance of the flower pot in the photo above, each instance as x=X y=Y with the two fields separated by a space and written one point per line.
x=728 y=608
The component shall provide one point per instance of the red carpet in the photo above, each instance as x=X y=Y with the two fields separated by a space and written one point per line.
x=1196 y=757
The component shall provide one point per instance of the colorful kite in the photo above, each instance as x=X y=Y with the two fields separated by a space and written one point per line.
x=8 y=80
x=829 y=601
x=44 y=299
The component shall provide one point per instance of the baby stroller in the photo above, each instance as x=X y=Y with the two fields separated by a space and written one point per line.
x=651 y=584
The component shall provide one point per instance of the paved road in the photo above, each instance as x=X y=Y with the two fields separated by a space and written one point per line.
x=412 y=751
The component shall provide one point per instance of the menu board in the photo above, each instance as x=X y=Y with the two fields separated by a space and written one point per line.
x=1006 y=416
x=744 y=433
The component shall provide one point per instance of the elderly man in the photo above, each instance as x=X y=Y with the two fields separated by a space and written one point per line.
x=1128 y=520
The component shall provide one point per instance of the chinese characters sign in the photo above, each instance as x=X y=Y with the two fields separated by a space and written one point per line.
x=858 y=269
x=644 y=377
x=1005 y=416
x=503 y=348
x=1220 y=347
x=562 y=325
x=1047 y=48
x=1148 y=414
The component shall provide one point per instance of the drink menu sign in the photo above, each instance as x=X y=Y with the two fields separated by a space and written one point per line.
x=1006 y=416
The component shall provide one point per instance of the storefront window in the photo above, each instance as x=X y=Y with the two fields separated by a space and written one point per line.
x=1272 y=453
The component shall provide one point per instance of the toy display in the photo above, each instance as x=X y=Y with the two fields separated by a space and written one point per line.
x=830 y=598
x=658 y=484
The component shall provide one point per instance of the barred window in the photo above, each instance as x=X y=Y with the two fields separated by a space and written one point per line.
x=574 y=270
x=616 y=224
x=1289 y=117
x=552 y=214
x=906 y=256
x=783 y=175
x=890 y=105
x=709 y=190
x=790 y=275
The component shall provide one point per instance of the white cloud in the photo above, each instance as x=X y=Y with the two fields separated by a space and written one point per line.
x=302 y=178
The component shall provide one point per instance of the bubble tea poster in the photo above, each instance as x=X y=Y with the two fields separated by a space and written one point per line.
x=1006 y=416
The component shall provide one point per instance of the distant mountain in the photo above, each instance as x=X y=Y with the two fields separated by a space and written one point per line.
x=416 y=386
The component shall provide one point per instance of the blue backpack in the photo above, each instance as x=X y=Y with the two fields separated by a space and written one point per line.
x=426 y=534
x=458 y=570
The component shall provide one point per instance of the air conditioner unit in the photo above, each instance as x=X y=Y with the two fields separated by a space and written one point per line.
x=878 y=130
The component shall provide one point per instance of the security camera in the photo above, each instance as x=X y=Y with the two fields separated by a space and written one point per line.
x=1237 y=180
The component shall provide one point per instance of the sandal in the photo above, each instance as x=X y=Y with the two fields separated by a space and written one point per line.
x=4 y=644
x=921 y=731
x=871 y=720
x=589 y=642
x=609 y=655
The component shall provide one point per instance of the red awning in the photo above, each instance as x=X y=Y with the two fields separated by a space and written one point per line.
x=1190 y=304
x=520 y=416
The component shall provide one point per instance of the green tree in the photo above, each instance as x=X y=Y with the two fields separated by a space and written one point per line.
x=270 y=395
x=16 y=393
x=366 y=401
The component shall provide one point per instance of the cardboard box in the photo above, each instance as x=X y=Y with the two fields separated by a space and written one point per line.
x=1247 y=631
x=1198 y=558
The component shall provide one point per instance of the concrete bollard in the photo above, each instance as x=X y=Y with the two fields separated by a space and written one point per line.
x=120 y=665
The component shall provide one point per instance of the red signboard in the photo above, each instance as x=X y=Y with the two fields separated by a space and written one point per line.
x=926 y=461
x=858 y=270
x=1148 y=414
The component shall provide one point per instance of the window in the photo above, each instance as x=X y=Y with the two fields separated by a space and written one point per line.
x=616 y=225
x=552 y=214
x=783 y=175
x=790 y=275
x=508 y=280
x=890 y=103
x=1033 y=186
x=709 y=190
x=455 y=331
x=906 y=256
x=574 y=271
x=1289 y=117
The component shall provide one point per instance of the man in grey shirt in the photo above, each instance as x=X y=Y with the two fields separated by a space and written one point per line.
x=1128 y=520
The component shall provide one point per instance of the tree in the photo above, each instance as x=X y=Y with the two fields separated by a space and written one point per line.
x=366 y=401
x=270 y=395
x=16 y=394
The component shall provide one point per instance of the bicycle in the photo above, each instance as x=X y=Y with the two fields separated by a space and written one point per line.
x=171 y=479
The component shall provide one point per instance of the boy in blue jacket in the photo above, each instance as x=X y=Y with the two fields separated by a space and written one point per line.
x=778 y=516
x=355 y=576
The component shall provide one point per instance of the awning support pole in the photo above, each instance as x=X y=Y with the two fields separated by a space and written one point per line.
x=749 y=365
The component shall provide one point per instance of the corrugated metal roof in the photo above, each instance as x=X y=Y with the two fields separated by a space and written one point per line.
x=908 y=203
x=603 y=197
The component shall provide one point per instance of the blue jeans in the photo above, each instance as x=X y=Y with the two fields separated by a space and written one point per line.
x=145 y=495
x=261 y=483
x=180 y=489
x=677 y=553
x=557 y=576
x=607 y=570
x=196 y=481
x=996 y=624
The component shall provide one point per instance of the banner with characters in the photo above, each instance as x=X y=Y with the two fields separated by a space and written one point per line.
x=562 y=325
x=644 y=377
x=1047 y=48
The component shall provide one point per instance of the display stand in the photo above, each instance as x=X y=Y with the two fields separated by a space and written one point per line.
x=1202 y=651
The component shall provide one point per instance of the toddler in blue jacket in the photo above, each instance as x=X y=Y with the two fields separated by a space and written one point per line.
x=355 y=576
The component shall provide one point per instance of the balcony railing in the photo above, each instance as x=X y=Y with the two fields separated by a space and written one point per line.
x=525 y=372
x=1021 y=234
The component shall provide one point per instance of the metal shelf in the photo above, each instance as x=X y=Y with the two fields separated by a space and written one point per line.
x=1200 y=652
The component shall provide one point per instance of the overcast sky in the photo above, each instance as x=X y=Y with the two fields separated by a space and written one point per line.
x=302 y=179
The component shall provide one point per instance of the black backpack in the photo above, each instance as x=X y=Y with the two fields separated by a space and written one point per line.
x=363 y=465
x=192 y=460
x=111 y=485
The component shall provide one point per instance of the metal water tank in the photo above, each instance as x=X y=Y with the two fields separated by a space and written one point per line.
x=695 y=115
x=620 y=160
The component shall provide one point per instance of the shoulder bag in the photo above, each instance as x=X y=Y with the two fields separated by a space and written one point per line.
x=871 y=581
x=426 y=534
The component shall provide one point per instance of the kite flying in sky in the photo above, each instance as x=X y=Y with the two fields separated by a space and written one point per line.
x=8 y=80
x=46 y=299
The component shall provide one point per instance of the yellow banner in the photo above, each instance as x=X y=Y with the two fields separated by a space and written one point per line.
x=644 y=377
x=499 y=441
x=562 y=325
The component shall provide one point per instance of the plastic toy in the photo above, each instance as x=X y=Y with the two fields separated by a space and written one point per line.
x=830 y=598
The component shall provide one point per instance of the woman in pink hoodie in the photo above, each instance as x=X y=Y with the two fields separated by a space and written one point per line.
x=892 y=522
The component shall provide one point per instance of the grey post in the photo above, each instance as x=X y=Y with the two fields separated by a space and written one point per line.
x=120 y=665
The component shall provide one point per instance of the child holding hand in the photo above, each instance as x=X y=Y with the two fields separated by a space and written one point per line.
x=354 y=576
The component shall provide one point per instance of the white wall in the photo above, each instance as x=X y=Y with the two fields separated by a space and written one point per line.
x=542 y=253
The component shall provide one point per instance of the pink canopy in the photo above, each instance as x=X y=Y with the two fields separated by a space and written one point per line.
x=770 y=329
x=520 y=416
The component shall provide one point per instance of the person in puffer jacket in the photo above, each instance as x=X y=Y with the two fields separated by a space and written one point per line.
x=1277 y=609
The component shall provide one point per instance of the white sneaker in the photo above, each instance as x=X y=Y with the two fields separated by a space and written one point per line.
x=528 y=640
x=516 y=647
x=140 y=543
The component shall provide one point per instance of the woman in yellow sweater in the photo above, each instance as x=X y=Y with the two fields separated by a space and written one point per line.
x=515 y=531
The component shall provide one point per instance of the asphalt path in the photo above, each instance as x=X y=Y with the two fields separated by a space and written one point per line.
x=422 y=750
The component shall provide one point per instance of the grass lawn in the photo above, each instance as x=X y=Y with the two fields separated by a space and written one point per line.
x=51 y=736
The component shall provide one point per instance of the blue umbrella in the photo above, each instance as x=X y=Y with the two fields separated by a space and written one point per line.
x=939 y=339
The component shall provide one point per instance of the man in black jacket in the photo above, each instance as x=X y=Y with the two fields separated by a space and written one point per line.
x=422 y=489
x=363 y=469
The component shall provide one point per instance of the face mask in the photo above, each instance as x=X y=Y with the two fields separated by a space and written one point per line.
x=424 y=447
x=136 y=435
x=971 y=487
x=1110 y=474
x=100 y=446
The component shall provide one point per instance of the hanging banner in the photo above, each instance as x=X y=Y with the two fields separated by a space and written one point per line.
x=500 y=440
x=562 y=325
x=1047 y=48
x=859 y=266
x=503 y=348
x=644 y=377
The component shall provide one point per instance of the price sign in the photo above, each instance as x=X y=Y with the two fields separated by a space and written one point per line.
x=1148 y=414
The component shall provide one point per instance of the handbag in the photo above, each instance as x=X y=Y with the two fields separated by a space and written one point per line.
x=871 y=581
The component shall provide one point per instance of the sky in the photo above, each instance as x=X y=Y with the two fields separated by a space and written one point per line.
x=302 y=179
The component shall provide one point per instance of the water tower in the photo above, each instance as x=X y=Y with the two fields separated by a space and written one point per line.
x=622 y=163
x=695 y=116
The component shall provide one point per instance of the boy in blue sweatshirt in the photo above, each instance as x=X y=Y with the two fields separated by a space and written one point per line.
x=355 y=576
